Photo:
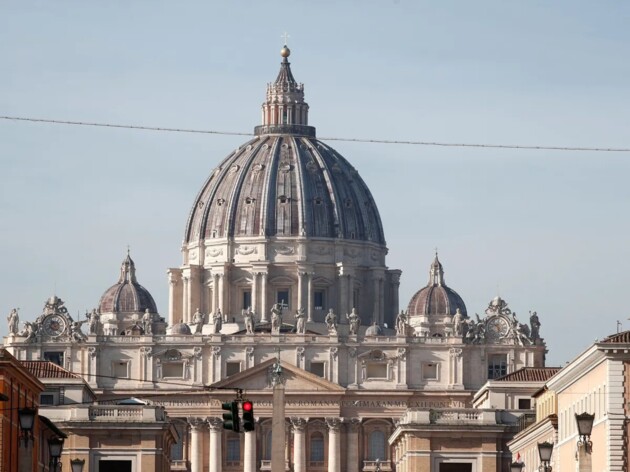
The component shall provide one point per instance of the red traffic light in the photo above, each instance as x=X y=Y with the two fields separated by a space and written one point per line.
x=248 y=406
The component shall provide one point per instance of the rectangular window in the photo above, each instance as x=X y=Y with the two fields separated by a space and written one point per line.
x=247 y=299
x=318 y=299
x=173 y=370
x=429 y=371
x=377 y=371
x=497 y=366
x=233 y=451
x=524 y=403
x=54 y=357
x=318 y=368
x=282 y=298
x=232 y=368
x=47 y=399
x=120 y=369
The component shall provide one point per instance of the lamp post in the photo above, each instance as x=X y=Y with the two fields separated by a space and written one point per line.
x=545 y=449
x=516 y=466
x=585 y=426
x=26 y=417
x=77 y=465
x=55 y=445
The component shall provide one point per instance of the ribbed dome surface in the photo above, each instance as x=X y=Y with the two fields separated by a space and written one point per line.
x=127 y=296
x=285 y=185
x=285 y=182
x=436 y=298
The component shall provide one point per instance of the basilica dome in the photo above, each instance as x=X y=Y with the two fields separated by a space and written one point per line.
x=127 y=295
x=284 y=182
x=436 y=299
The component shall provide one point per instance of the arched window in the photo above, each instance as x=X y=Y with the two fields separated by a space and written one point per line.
x=377 y=446
x=317 y=447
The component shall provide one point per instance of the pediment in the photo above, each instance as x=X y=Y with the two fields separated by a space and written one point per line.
x=297 y=380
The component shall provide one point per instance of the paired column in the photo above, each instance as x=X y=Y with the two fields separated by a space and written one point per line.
x=334 y=444
x=196 y=448
x=215 y=460
x=299 y=444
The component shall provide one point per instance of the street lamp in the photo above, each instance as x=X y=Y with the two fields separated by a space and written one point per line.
x=55 y=445
x=585 y=426
x=516 y=467
x=26 y=417
x=545 y=449
x=77 y=465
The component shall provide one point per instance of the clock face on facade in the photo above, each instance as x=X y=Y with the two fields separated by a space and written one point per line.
x=54 y=325
x=497 y=327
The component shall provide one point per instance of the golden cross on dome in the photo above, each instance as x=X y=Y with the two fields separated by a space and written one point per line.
x=286 y=38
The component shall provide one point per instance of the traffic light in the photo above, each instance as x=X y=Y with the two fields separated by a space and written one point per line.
x=230 y=420
x=248 y=416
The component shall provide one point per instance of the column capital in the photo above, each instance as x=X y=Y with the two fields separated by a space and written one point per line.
x=215 y=424
x=353 y=424
x=299 y=424
x=334 y=423
x=195 y=423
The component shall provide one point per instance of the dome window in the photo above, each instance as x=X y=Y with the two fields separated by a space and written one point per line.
x=348 y=202
x=220 y=201
x=283 y=199
x=249 y=201
x=318 y=200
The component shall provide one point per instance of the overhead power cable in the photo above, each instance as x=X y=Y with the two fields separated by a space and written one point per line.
x=328 y=138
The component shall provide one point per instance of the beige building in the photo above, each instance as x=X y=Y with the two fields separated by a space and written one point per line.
x=594 y=383
x=284 y=257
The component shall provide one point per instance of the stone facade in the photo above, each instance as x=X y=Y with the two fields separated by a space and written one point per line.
x=284 y=258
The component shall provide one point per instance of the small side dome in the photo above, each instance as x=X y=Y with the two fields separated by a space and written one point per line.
x=436 y=299
x=181 y=328
x=374 y=330
x=127 y=296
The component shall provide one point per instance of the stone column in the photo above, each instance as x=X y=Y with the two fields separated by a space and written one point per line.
x=215 y=460
x=350 y=294
x=343 y=296
x=196 y=461
x=173 y=282
x=185 y=307
x=263 y=305
x=221 y=297
x=249 y=455
x=309 y=310
x=215 y=292
x=352 y=457
x=299 y=444
x=334 y=444
x=377 y=302
x=255 y=292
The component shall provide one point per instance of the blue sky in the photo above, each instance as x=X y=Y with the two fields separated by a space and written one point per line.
x=547 y=230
